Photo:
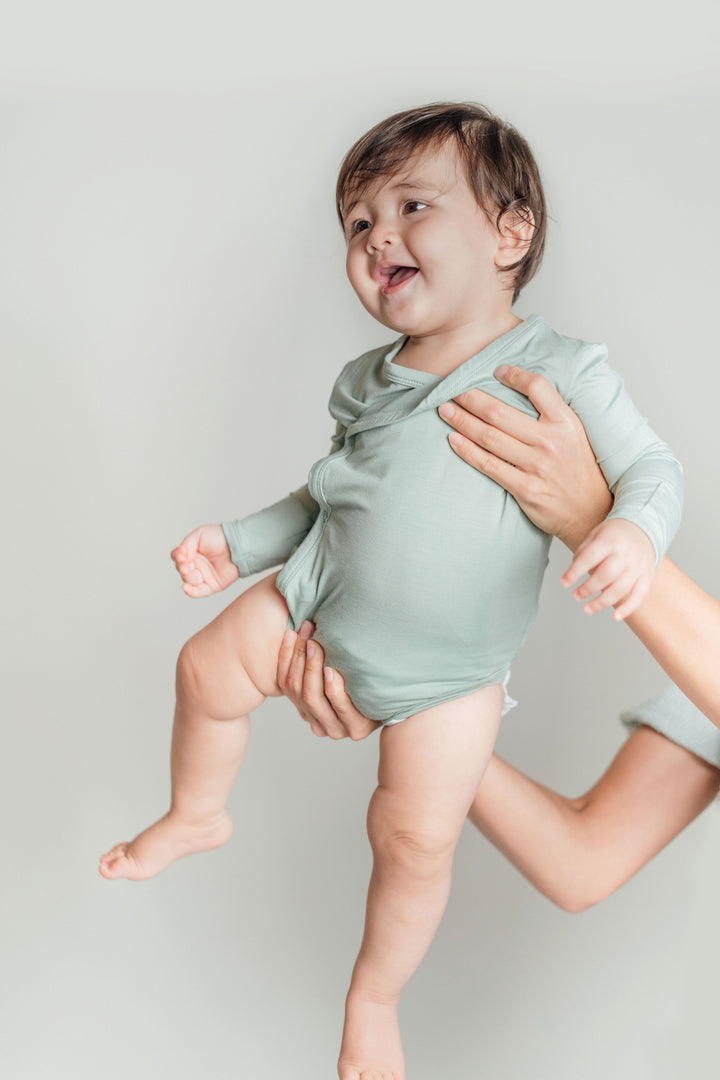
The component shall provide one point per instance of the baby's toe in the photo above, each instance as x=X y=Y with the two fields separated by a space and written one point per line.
x=115 y=862
x=119 y=849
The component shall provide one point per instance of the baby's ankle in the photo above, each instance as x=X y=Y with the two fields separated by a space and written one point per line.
x=187 y=818
x=363 y=990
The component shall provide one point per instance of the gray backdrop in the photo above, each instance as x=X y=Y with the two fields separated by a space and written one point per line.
x=174 y=312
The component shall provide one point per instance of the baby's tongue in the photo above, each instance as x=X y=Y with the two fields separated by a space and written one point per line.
x=403 y=273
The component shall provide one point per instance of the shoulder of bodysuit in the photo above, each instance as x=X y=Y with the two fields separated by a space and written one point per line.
x=566 y=358
x=356 y=375
x=368 y=360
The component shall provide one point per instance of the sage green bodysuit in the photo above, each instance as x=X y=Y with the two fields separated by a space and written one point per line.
x=422 y=575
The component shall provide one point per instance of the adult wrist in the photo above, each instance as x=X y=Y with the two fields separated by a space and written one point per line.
x=574 y=535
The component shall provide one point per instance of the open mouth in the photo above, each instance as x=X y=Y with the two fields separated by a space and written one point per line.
x=392 y=278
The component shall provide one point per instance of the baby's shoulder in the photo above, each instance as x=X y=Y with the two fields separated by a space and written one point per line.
x=358 y=385
x=358 y=371
x=563 y=359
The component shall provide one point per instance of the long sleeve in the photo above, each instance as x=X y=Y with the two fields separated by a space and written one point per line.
x=268 y=537
x=641 y=471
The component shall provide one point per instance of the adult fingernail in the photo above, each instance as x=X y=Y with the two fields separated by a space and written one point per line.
x=310 y=649
x=287 y=638
x=501 y=370
x=446 y=411
x=456 y=439
x=306 y=629
x=328 y=674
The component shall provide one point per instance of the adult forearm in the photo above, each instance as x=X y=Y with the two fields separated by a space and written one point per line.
x=539 y=831
x=579 y=851
x=679 y=624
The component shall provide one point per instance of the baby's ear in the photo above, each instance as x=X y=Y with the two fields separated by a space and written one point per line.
x=516 y=228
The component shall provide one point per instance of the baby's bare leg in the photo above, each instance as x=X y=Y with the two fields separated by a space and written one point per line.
x=430 y=767
x=223 y=672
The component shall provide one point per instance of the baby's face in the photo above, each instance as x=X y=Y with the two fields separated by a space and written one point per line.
x=421 y=252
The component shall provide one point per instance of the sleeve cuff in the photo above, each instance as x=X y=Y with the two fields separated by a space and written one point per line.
x=675 y=716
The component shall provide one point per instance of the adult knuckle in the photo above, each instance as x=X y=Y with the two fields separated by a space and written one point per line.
x=490 y=438
x=484 y=462
x=549 y=444
x=494 y=411
x=294 y=685
x=529 y=487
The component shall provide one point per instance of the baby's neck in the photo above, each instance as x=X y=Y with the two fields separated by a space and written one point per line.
x=442 y=352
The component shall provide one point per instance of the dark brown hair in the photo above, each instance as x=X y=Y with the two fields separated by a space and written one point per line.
x=498 y=162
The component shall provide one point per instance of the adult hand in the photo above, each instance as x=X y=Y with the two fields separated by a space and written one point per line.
x=318 y=693
x=547 y=464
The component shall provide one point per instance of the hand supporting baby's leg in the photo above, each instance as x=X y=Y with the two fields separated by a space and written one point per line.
x=430 y=767
x=223 y=672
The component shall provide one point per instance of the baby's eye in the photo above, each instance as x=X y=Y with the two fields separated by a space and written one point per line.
x=413 y=203
x=354 y=226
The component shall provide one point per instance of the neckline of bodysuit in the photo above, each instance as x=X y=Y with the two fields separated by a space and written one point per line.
x=412 y=377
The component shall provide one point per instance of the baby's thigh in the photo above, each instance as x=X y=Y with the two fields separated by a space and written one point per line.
x=244 y=640
x=432 y=763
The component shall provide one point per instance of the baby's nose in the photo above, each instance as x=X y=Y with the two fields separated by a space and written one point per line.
x=380 y=235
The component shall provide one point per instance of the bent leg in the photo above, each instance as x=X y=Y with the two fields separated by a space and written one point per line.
x=223 y=672
x=430 y=767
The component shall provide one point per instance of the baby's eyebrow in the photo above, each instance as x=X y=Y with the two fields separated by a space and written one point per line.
x=415 y=184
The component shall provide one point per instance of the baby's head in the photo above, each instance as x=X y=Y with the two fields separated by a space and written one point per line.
x=447 y=197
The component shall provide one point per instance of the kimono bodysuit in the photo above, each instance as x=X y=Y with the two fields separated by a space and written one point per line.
x=422 y=575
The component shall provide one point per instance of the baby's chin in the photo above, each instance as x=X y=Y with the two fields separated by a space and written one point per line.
x=401 y=322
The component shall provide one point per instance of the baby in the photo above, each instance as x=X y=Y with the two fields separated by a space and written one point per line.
x=421 y=576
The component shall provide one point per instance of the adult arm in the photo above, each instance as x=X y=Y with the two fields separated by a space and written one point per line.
x=679 y=624
x=546 y=468
x=579 y=851
x=576 y=851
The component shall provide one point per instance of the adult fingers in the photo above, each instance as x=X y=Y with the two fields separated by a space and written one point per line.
x=356 y=725
x=287 y=647
x=292 y=652
x=313 y=694
x=290 y=673
x=543 y=395
x=514 y=480
x=489 y=432
x=488 y=408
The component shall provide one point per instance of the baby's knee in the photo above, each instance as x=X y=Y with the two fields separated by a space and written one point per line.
x=192 y=676
x=189 y=676
x=420 y=842
x=213 y=683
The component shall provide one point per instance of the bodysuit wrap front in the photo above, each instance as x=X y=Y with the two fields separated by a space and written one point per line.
x=422 y=575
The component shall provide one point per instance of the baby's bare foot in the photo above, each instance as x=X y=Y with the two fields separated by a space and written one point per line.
x=155 y=848
x=371 y=1047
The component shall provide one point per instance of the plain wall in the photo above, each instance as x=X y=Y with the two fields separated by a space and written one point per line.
x=173 y=313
